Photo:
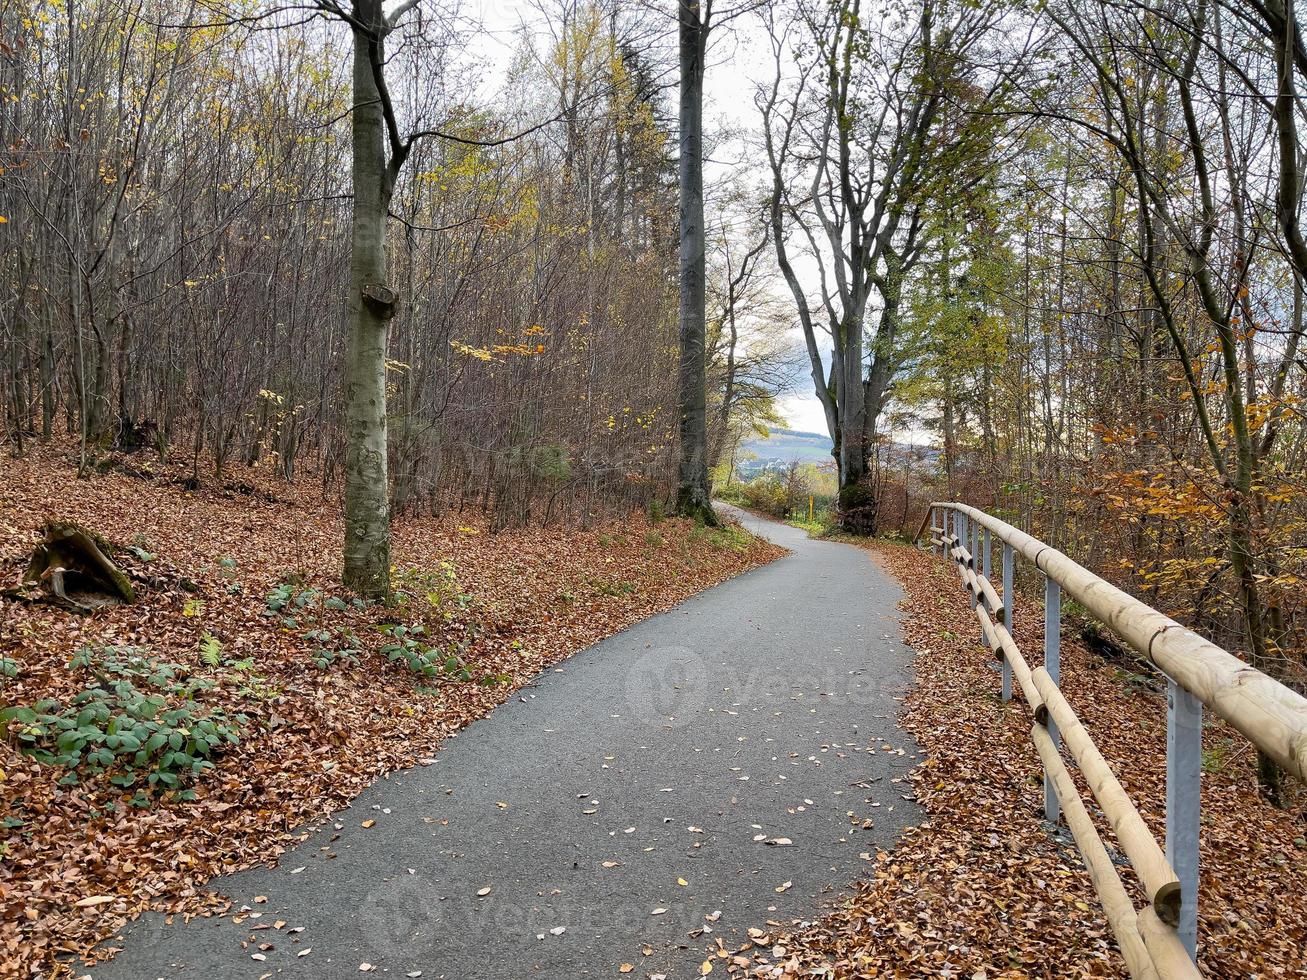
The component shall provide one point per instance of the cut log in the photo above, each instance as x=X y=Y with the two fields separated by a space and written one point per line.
x=72 y=567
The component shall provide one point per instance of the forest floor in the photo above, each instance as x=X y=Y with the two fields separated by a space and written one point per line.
x=239 y=606
x=984 y=888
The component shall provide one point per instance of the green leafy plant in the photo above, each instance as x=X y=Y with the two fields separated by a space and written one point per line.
x=292 y=602
x=406 y=646
x=9 y=667
x=619 y=588
x=210 y=650
x=438 y=586
x=333 y=647
x=137 y=722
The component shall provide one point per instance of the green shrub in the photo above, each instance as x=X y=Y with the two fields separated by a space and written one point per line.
x=765 y=494
x=137 y=721
x=286 y=599
x=438 y=586
x=407 y=647
x=333 y=647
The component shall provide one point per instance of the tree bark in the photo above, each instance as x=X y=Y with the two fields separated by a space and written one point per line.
x=370 y=304
x=693 y=495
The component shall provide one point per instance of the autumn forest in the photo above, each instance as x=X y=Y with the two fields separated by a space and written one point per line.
x=362 y=361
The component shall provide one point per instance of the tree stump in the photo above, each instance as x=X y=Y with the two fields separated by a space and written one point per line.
x=72 y=567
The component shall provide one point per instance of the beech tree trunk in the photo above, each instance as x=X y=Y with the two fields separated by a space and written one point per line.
x=693 y=494
x=370 y=304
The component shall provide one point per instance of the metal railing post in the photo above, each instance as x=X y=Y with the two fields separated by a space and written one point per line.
x=1008 y=600
x=1052 y=664
x=1184 y=773
x=985 y=556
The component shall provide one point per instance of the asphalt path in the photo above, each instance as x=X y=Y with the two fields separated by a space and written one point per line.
x=732 y=762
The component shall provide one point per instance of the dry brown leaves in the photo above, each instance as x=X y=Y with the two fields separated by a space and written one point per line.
x=983 y=890
x=317 y=737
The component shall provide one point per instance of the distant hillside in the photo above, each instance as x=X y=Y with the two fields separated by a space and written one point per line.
x=788 y=445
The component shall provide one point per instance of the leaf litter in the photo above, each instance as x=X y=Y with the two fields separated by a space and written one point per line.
x=982 y=889
x=77 y=862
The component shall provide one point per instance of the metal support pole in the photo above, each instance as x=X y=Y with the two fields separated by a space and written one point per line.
x=972 y=530
x=985 y=568
x=1008 y=598
x=1053 y=664
x=1184 y=769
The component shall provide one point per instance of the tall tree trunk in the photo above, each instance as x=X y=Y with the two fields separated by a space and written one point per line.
x=692 y=492
x=370 y=303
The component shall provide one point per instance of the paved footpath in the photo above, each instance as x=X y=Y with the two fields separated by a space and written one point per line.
x=625 y=801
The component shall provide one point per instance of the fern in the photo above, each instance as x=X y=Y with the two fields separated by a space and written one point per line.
x=210 y=650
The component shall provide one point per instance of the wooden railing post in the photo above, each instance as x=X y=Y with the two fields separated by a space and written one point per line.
x=1184 y=773
x=1052 y=664
x=1008 y=609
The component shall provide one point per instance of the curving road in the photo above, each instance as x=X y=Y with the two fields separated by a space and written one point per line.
x=649 y=772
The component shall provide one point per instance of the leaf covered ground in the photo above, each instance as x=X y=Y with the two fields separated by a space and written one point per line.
x=983 y=889
x=240 y=619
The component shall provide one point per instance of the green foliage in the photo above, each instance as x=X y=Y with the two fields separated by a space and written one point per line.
x=136 y=721
x=8 y=667
x=210 y=651
x=333 y=647
x=1218 y=756
x=407 y=646
x=653 y=539
x=551 y=463
x=291 y=602
x=286 y=598
x=437 y=586
x=615 y=588
x=767 y=494
x=730 y=537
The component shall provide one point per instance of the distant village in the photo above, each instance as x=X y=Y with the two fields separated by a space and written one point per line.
x=784 y=447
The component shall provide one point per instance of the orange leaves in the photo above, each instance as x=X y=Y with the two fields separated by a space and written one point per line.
x=533 y=597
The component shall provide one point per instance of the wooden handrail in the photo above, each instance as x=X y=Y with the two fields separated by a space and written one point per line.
x=1159 y=941
x=1272 y=716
